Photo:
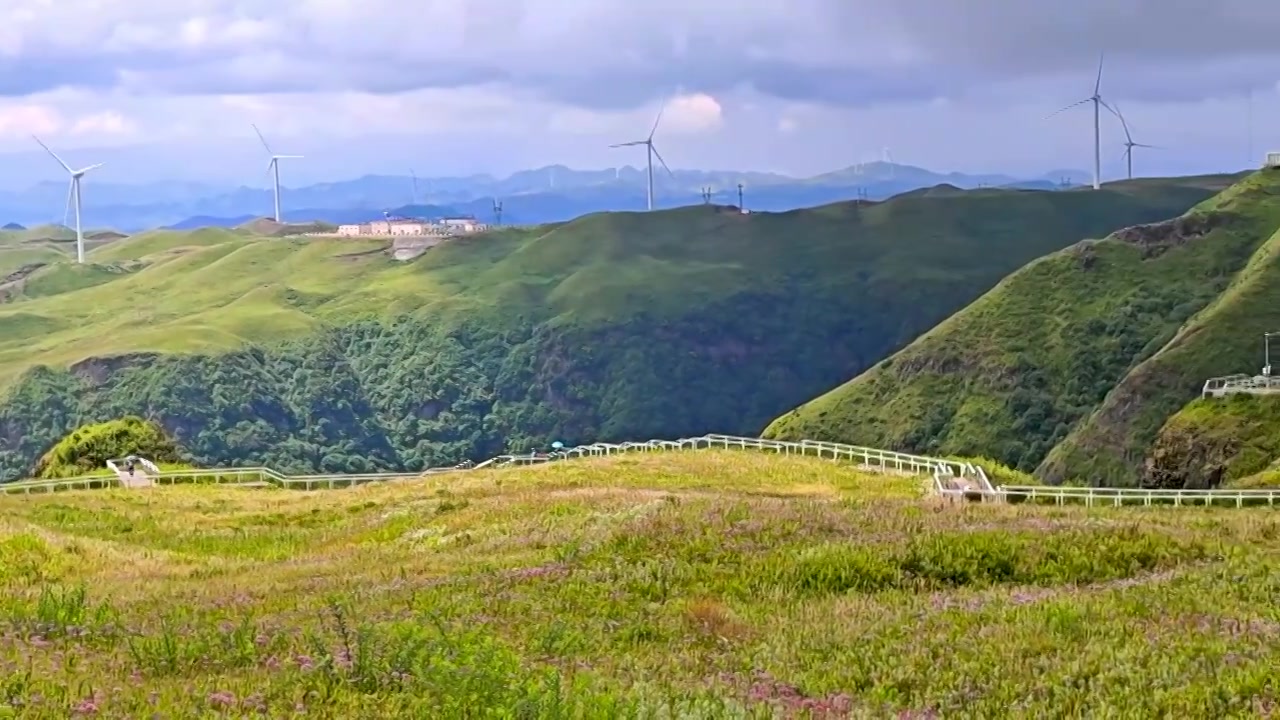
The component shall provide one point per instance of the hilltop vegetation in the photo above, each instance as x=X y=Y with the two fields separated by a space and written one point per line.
x=313 y=354
x=87 y=449
x=1214 y=442
x=266 y=227
x=709 y=584
x=1071 y=365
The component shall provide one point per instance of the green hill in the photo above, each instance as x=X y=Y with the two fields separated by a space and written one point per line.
x=311 y=353
x=1071 y=365
x=22 y=250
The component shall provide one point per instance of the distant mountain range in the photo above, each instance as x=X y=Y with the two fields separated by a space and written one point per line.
x=548 y=194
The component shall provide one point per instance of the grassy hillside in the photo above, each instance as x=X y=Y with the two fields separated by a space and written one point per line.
x=22 y=251
x=26 y=249
x=1052 y=357
x=1213 y=442
x=1224 y=338
x=326 y=353
x=710 y=585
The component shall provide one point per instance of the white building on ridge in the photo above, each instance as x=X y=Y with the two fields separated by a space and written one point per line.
x=400 y=227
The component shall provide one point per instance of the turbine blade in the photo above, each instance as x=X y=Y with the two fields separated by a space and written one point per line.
x=657 y=119
x=1097 y=86
x=1123 y=123
x=54 y=154
x=1153 y=147
x=1074 y=104
x=264 y=140
x=630 y=144
x=66 y=211
x=94 y=166
x=664 y=162
x=288 y=157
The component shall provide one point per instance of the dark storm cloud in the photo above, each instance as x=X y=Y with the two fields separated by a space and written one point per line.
x=618 y=53
x=297 y=76
x=1015 y=37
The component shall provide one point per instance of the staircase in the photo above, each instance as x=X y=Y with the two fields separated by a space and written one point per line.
x=143 y=475
x=956 y=487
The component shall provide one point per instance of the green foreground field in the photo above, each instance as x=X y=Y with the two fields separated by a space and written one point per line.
x=709 y=584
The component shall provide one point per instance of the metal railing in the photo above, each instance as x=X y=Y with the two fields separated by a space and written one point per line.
x=886 y=461
x=867 y=458
x=950 y=478
x=1116 y=497
x=1241 y=383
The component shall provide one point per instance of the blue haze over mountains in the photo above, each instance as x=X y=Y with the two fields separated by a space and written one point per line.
x=548 y=194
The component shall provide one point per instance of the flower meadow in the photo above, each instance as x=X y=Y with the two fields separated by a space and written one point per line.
x=703 y=584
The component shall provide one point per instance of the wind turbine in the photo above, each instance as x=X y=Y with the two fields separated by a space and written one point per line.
x=1098 y=104
x=1129 y=144
x=72 y=190
x=651 y=151
x=273 y=167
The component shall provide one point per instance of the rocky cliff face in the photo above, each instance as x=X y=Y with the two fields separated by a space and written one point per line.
x=1215 y=442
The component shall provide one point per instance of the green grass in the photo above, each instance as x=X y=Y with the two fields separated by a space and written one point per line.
x=40 y=246
x=14 y=258
x=1232 y=441
x=709 y=584
x=1046 y=371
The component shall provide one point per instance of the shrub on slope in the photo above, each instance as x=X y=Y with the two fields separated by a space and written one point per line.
x=1011 y=374
x=90 y=447
x=1213 y=442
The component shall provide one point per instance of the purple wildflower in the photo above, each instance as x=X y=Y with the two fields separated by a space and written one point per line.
x=222 y=698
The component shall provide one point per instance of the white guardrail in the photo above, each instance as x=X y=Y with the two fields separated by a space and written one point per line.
x=950 y=478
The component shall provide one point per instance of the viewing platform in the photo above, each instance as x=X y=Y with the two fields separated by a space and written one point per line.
x=1262 y=384
x=1241 y=383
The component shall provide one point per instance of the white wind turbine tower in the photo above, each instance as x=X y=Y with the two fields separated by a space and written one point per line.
x=1129 y=144
x=652 y=151
x=73 y=190
x=1098 y=104
x=273 y=167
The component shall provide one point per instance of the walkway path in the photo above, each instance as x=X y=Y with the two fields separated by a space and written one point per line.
x=136 y=480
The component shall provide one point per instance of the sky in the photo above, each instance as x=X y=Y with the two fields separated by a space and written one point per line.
x=167 y=89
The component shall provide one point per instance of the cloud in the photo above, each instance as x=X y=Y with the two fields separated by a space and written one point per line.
x=103 y=123
x=480 y=85
x=690 y=114
x=682 y=114
x=617 y=54
x=23 y=120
